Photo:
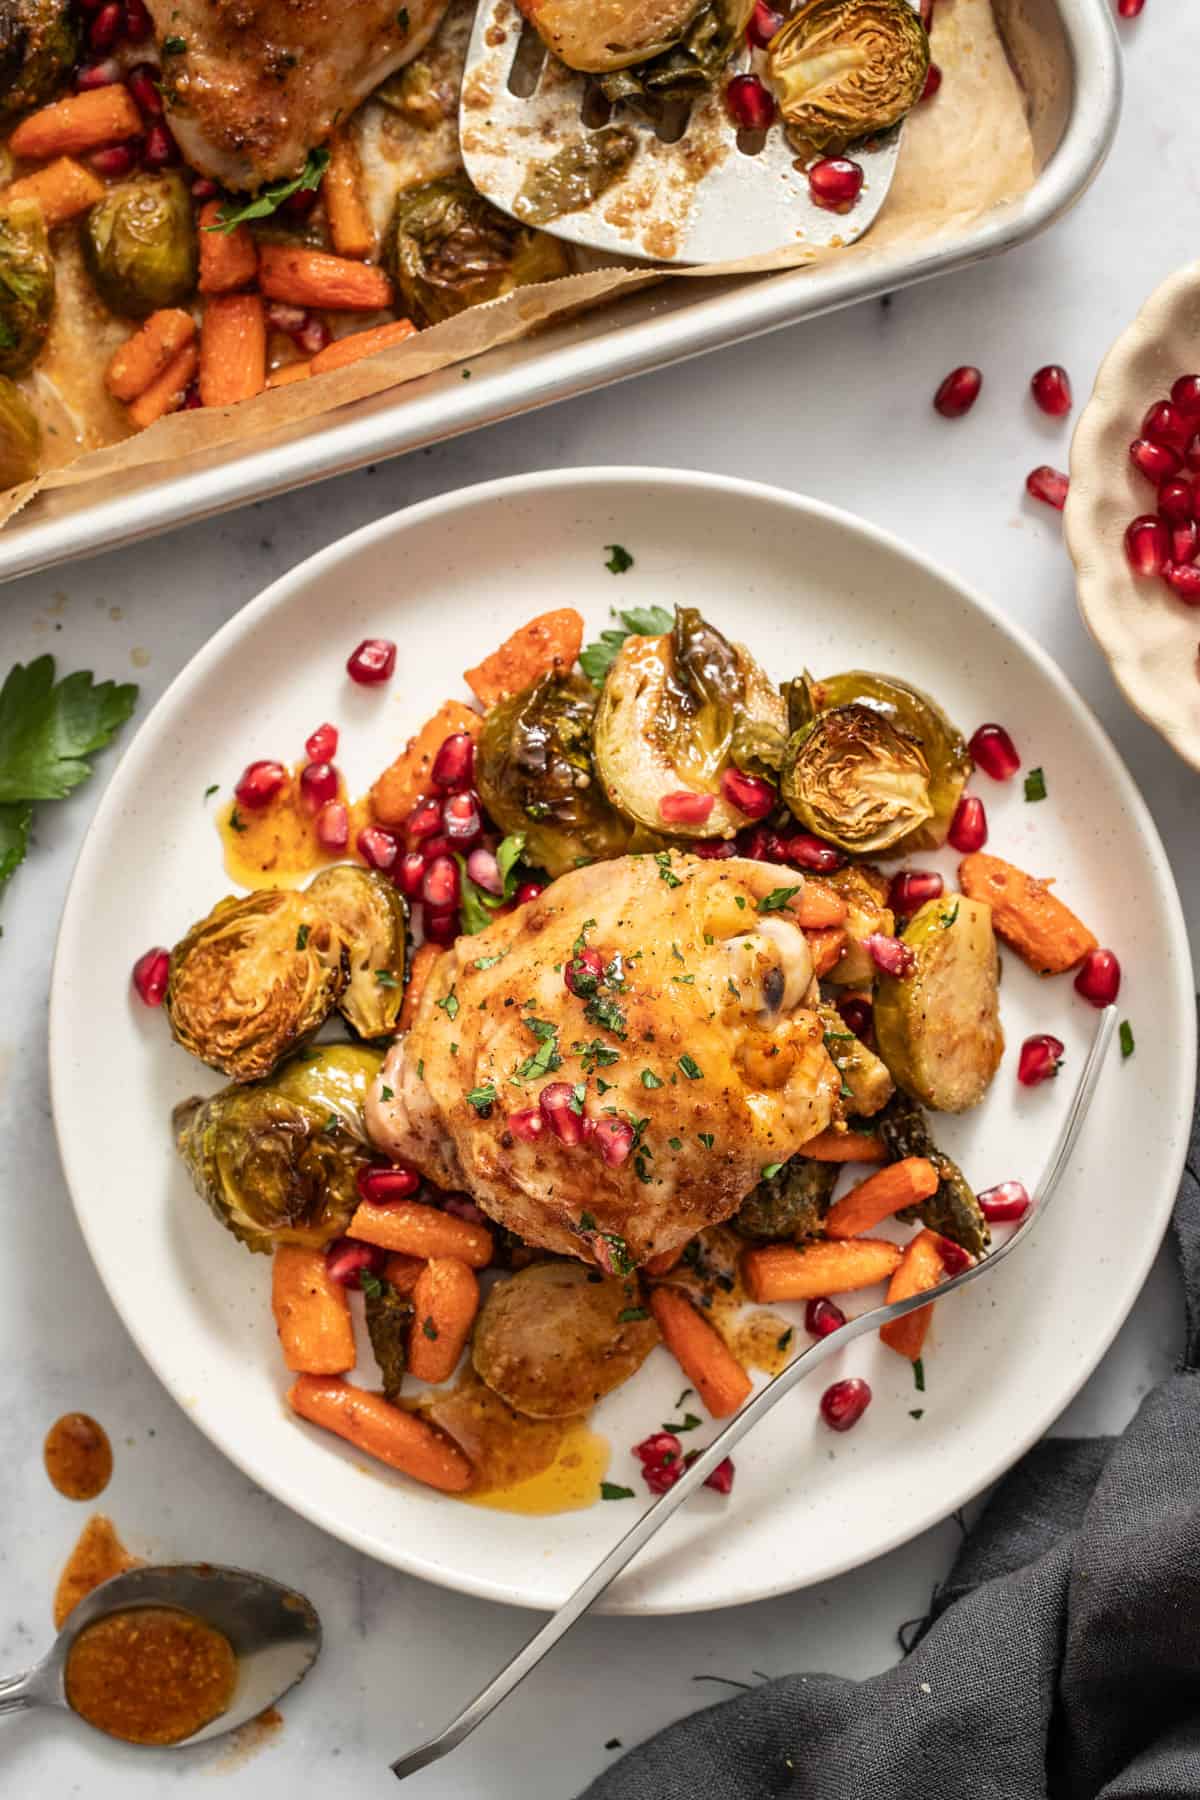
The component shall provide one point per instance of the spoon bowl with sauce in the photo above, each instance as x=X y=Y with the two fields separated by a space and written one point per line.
x=173 y=1655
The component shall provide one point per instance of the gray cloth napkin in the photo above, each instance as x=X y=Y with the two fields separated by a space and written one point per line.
x=1061 y=1660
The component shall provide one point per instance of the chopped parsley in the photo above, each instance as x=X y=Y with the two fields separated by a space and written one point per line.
x=428 y=1328
x=632 y=1315
x=777 y=899
x=919 y=1375
x=578 y=1097
x=602 y=1010
x=1126 y=1036
x=236 y=821
x=1035 y=784
x=545 y=1058
x=302 y=938
x=769 y=1170
x=677 y=953
x=650 y=1079
x=918 y=1412
x=482 y=1098
x=948 y=919
x=584 y=980
x=581 y=941
x=210 y=790
x=688 y=1422
x=595 y=1055
x=611 y=1490
x=784 y=1341
x=402 y=19
x=666 y=872
x=386 y=1093
x=331 y=1123
x=371 y=1285
x=386 y=979
x=684 y=980
x=449 y=1005
x=618 y=1249
x=619 y=559
x=586 y=1222
x=489 y=962
x=739 y=900
x=421 y=1073
x=264 y=203
x=706 y=1138
x=640 y=621
x=691 y=1067
x=675 y=1143
x=174 y=46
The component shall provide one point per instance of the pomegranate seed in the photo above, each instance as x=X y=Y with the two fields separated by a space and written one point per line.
x=381 y=1186
x=142 y=82
x=968 y=828
x=259 y=784
x=160 y=147
x=346 y=1258
x=410 y=873
x=1040 y=1059
x=1048 y=485
x=529 y=890
x=750 y=794
x=423 y=821
x=1099 y=978
x=721 y=1479
x=890 y=954
x=459 y=1207
x=1130 y=9
x=1184 y=541
x=835 y=183
x=281 y=317
x=454 y=764
x=685 y=808
x=857 y=1013
x=659 y=1477
x=333 y=826
x=1051 y=388
x=953 y=1257
x=138 y=23
x=1147 y=545
x=933 y=81
x=583 y=974
x=714 y=849
x=751 y=105
x=844 y=1404
x=314 y=335
x=558 y=1111
x=302 y=202
x=911 y=888
x=660 y=1446
x=440 y=885
x=823 y=1317
x=1165 y=424
x=96 y=75
x=150 y=974
x=377 y=847
x=462 y=820
x=615 y=1138
x=1186 y=396
x=484 y=870
x=372 y=662
x=1157 y=462
x=528 y=1124
x=117 y=160
x=204 y=189
x=105 y=28
x=1184 y=580
x=1004 y=1203
x=805 y=851
x=441 y=927
x=764 y=23
x=994 y=751
x=1176 y=502
x=318 y=785
x=321 y=747
x=959 y=392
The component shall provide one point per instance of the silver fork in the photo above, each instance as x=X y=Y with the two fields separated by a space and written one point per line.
x=626 y=1548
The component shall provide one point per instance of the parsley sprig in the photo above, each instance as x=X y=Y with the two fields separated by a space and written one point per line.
x=640 y=621
x=265 y=202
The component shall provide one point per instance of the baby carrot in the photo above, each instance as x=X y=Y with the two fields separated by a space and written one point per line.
x=921 y=1267
x=233 y=349
x=779 y=1272
x=845 y=1146
x=85 y=121
x=345 y=207
x=228 y=259
x=419 y=971
x=168 y=392
x=142 y=358
x=289 y=372
x=312 y=1315
x=701 y=1352
x=372 y=1425
x=445 y=1300
x=817 y=906
x=359 y=344
x=63 y=189
x=546 y=645
x=888 y=1191
x=663 y=1263
x=305 y=277
x=418 y=1230
x=1026 y=914
x=401 y=1272
x=826 y=948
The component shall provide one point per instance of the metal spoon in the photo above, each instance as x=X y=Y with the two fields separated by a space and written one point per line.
x=756 y=1407
x=274 y=1631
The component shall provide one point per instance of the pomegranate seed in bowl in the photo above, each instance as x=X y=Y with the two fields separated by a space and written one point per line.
x=333 y=826
x=1147 y=545
x=968 y=828
x=1176 y=501
x=1191 y=457
x=381 y=1186
x=259 y=783
x=958 y=392
x=372 y=662
x=844 y=1404
x=835 y=183
x=1186 y=396
x=377 y=847
x=1047 y=485
x=1040 y=1059
x=318 y=785
x=764 y=23
x=1005 y=1203
x=994 y=751
x=1130 y=9
x=1051 y=389
x=346 y=1258
x=454 y=764
x=751 y=104
x=750 y=794
x=823 y=1317
x=911 y=888
x=1184 y=580
x=1165 y=424
x=321 y=747
x=150 y=975
x=1099 y=977
x=1184 y=542
x=1157 y=462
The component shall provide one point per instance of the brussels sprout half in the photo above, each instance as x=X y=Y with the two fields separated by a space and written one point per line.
x=39 y=43
x=139 y=243
x=845 y=69
x=448 y=248
x=790 y=1204
x=369 y=917
x=277 y=1161
x=26 y=285
x=938 y=1028
x=669 y=712
x=20 y=436
x=685 y=67
x=911 y=711
x=857 y=780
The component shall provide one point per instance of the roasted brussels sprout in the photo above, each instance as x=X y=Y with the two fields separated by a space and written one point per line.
x=866 y=1083
x=448 y=248
x=277 y=1160
x=535 y=773
x=26 y=285
x=938 y=1029
x=369 y=917
x=845 y=69
x=857 y=780
x=789 y=1204
x=39 y=43
x=610 y=36
x=953 y=1210
x=140 y=245
x=686 y=65
x=20 y=436
x=913 y=712
x=577 y=175
x=864 y=889
x=389 y=1315
x=553 y=1341
x=668 y=713
x=254 y=980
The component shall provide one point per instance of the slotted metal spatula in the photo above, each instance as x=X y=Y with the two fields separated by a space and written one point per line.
x=712 y=195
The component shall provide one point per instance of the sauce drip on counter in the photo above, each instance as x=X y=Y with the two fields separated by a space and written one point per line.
x=97 y=1556
x=522 y=1465
x=276 y=845
x=78 y=1456
x=150 y=1675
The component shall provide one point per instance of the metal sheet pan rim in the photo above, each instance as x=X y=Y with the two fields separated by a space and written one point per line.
x=445 y=407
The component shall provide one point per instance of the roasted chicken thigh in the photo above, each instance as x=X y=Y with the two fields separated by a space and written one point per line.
x=609 y=1068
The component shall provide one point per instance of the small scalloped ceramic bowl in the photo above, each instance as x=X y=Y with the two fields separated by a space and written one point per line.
x=1151 y=638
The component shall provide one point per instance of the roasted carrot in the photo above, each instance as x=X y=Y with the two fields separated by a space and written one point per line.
x=312 y=1315
x=168 y=392
x=700 y=1351
x=445 y=1301
x=549 y=643
x=402 y=1272
x=816 y=906
x=419 y=1230
x=845 y=1146
x=921 y=1267
x=345 y=205
x=359 y=344
x=779 y=1272
x=401 y=785
x=381 y=1430
x=419 y=970
x=315 y=278
x=228 y=259
x=289 y=372
x=1044 y=932
x=663 y=1263
x=85 y=121
x=233 y=349
x=826 y=947
x=143 y=357
x=63 y=189
x=888 y=1191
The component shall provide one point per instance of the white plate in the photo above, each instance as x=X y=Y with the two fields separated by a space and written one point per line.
x=805 y=586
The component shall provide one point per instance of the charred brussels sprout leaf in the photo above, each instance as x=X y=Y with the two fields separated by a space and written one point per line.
x=534 y=764
x=20 y=436
x=448 y=248
x=389 y=1316
x=846 y=69
x=277 y=1160
x=953 y=1209
x=369 y=917
x=26 y=286
x=39 y=42
x=790 y=1204
x=685 y=67
x=857 y=780
x=577 y=175
x=140 y=245
x=938 y=1028
x=254 y=980
x=668 y=715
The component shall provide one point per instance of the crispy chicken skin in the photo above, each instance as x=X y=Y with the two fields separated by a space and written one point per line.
x=703 y=1036
x=258 y=83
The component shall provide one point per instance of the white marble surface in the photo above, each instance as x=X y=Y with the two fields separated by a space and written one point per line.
x=838 y=408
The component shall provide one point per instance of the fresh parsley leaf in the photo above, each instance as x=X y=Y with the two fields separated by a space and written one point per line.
x=618 y=1253
x=619 y=559
x=665 y=871
x=482 y=1098
x=236 y=821
x=739 y=900
x=595 y=1055
x=919 y=1375
x=15 y=821
x=386 y=979
x=371 y=1285
x=650 y=1079
x=331 y=1123
x=386 y=1093
x=632 y=1315
x=48 y=729
x=402 y=19
x=508 y=855
x=602 y=1010
x=641 y=621
x=449 y=1005
x=706 y=1138
x=783 y=1342
x=675 y=1143
x=611 y=1490
x=421 y=1074
x=210 y=790
x=428 y=1327
x=1035 y=784
x=777 y=899
x=949 y=918
x=1126 y=1032
x=489 y=962
x=691 y=1068
x=688 y=1422
x=476 y=903
x=264 y=203
x=174 y=46
x=770 y=1169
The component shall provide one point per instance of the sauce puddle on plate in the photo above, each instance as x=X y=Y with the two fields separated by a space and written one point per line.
x=275 y=846
x=522 y=1465
x=151 y=1674
x=78 y=1456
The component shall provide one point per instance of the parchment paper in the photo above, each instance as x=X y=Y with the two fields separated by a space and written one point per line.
x=965 y=152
